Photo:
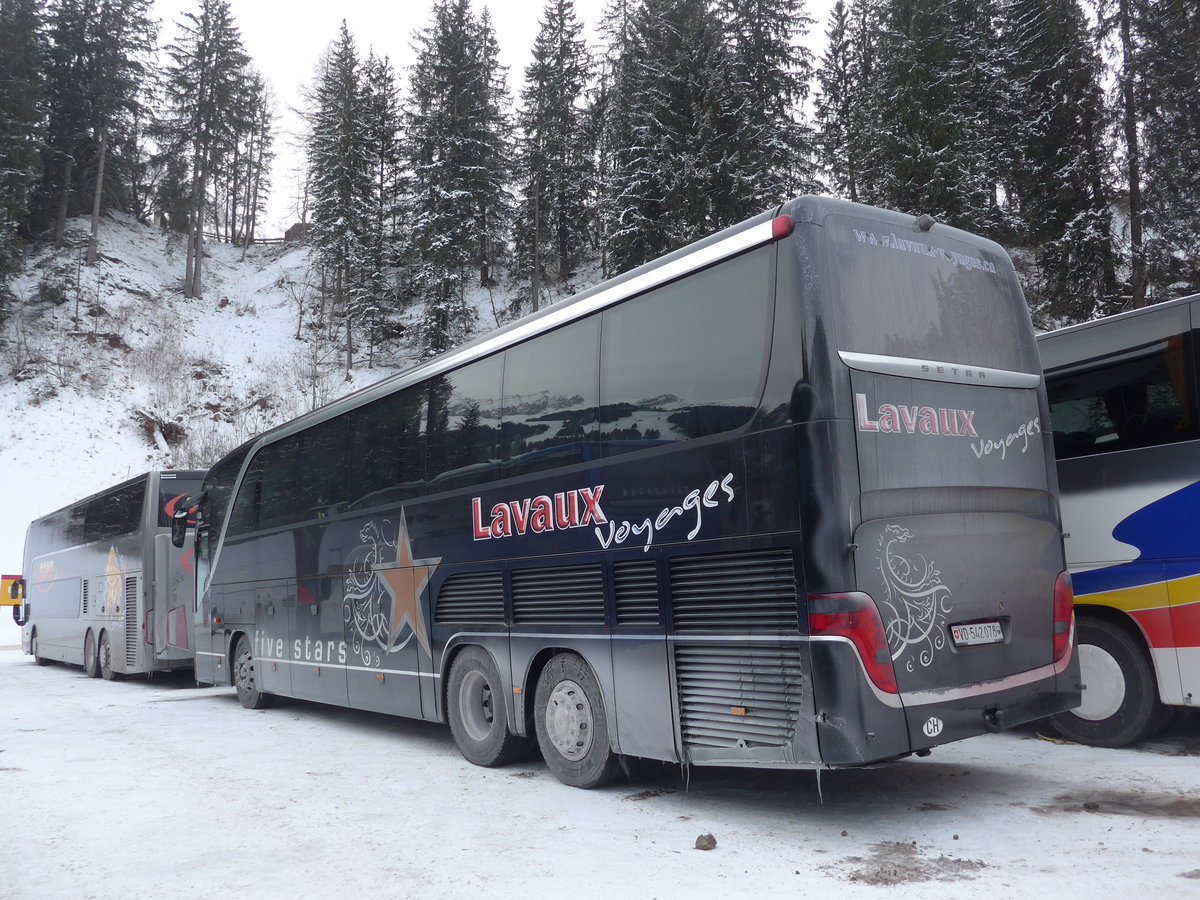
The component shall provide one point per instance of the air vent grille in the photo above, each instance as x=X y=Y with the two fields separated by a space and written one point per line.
x=635 y=586
x=471 y=597
x=741 y=592
x=561 y=595
x=735 y=695
x=131 y=623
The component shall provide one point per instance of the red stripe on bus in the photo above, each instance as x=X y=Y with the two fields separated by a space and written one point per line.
x=1185 y=620
x=1156 y=625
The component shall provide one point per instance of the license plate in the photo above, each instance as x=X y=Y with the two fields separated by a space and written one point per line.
x=972 y=633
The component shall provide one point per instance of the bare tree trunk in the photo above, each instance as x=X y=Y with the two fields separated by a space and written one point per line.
x=93 y=241
x=535 y=284
x=60 y=223
x=1137 y=277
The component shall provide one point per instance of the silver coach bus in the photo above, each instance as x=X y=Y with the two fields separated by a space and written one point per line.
x=104 y=588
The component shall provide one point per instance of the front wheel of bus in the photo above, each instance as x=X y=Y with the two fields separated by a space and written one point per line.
x=1120 y=701
x=477 y=712
x=91 y=663
x=572 y=727
x=105 y=658
x=35 y=650
x=245 y=678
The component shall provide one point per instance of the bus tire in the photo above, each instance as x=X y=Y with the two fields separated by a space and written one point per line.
x=245 y=677
x=571 y=723
x=91 y=662
x=1120 y=699
x=105 y=658
x=477 y=712
x=33 y=649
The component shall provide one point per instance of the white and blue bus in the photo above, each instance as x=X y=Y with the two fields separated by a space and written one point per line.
x=780 y=498
x=1123 y=403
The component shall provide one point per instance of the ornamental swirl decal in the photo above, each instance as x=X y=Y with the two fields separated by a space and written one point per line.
x=915 y=604
x=366 y=605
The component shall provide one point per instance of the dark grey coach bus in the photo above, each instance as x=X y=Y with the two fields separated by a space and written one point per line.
x=780 y=498
x=104 y=588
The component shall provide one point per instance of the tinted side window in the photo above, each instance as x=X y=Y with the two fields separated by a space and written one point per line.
x=115 y=514
x=550 y=397
x=686 y=360
x=386 y=459
x=219 y=484
x=1136 y=397
x=463 y=440
x=320 y=487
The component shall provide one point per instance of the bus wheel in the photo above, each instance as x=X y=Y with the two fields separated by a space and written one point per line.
x=572 y=728
x=105 y=658
x=245 y=678
x=91 y=663
x=33 y=649
x=1120 y=701
x=477 y=712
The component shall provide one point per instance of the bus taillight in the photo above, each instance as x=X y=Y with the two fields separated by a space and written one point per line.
x=853 y=615
x=1064 y=614
x=782 y=226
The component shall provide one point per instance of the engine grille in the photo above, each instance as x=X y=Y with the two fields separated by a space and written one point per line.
x=635 y=586
x=471 y=597
x=559 y=594
x=739 y=695
x=745 y=591
x=131 y=622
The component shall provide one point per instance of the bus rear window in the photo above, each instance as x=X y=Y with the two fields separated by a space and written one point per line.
x=913 y=295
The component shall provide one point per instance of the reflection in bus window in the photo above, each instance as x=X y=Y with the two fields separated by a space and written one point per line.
x=1135 y=398
x=686 y=360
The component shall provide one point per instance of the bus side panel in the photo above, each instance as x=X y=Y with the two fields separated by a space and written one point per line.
x=645 y=715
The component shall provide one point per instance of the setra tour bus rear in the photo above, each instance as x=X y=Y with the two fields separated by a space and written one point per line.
x=939 y=604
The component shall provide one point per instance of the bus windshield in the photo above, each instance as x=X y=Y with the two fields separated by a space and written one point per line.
x=923 y=297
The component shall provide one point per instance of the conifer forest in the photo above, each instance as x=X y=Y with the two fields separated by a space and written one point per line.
x=1066 y=130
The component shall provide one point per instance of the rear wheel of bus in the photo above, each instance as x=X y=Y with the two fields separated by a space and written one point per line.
x=1120 y=701
x=91 y=662
x=477 y=712
x=105 y=658
x=572 y=726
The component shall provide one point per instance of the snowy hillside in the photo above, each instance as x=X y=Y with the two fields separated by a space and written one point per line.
x=109 y=371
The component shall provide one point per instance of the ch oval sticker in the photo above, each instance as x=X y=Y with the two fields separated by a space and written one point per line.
x=933 y=726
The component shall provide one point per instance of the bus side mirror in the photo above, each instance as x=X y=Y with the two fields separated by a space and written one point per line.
x=179 y=526
x=16 y=590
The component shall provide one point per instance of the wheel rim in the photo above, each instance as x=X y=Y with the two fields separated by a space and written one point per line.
x=245 y=671
x=569 y=720
x=1105 y=691
x=475 y=706
x=105 y=655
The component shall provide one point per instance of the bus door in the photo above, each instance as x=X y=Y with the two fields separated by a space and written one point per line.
x=315 y=626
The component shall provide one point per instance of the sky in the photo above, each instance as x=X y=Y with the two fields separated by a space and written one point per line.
x=285 y=40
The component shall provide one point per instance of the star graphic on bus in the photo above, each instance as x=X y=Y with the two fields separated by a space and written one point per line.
x=404 y=582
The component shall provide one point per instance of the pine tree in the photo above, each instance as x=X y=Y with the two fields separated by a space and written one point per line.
x=553 y=166
x=203 y=82
x=22 y=49
x=456 y=151
x=672 y=167
x=382 y=120
x=772 y=155
x=1170 y=128
x=97 y=62
x=933 y=94
x=341 y=181
x=836 y=105
x=1055 y=173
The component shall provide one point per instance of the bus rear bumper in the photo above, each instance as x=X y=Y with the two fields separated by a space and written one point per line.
x=859 y=724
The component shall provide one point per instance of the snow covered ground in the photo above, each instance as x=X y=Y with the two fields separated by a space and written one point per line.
x=160 y=789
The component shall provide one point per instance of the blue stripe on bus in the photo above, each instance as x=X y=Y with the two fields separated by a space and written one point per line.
x=1162 y=530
